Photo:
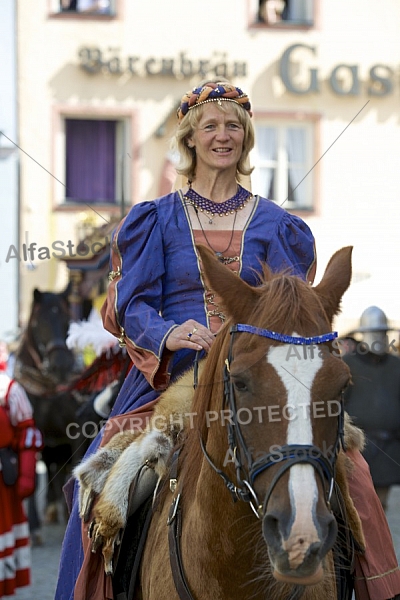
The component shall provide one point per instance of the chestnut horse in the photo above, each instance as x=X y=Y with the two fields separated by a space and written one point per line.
x=259 y=485
x=249 y=512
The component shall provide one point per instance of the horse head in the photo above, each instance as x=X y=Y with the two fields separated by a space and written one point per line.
x=275 y=365
x=47 y=332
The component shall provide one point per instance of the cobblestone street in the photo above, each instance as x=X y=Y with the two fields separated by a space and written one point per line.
x=46 y=558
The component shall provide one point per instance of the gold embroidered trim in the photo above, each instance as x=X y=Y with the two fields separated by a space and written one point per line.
x=113 y=274
x=189 y=224
x=214 y=312
x=249 y=220
x=119 y=268
x=121 y=339
x=228 y=261
x=377 y=576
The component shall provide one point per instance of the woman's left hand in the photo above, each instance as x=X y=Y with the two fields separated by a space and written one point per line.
x=190 y=334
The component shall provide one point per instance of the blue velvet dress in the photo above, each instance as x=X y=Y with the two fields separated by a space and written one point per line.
x=161 y=287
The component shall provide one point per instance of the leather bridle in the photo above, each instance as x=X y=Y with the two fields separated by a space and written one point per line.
x=41 y=355
x=247 y=469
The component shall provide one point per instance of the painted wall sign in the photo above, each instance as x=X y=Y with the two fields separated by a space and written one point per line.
x=344 y=79
x=94 y=60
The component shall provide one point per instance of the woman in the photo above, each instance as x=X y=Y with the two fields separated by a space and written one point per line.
x=160 y=269
x=158 y=303
x=18 y=434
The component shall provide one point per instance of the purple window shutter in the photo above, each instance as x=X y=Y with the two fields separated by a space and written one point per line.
x=90 y=156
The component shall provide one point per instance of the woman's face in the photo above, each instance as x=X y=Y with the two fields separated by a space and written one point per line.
x=218 y=139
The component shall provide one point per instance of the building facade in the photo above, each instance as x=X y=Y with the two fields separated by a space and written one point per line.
x=9 y=164
x=99 y=84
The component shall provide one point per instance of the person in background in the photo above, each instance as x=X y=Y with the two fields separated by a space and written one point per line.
x=373 y=399
x=19 y=443
x=94 y=7
x=86 y=6
x=347 y=344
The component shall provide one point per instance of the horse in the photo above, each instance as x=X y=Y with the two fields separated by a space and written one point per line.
x=44 y=366
x=245 y=507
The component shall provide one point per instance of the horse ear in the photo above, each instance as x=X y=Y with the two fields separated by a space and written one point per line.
x=37 y=296
x=236 y=295
x=335 y=281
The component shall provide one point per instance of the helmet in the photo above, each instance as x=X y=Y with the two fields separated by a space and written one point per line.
x=373 y=319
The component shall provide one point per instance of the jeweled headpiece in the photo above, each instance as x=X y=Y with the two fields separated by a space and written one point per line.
x=213 y=92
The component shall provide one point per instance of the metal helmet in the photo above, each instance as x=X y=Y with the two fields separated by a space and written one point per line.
x=373 y=319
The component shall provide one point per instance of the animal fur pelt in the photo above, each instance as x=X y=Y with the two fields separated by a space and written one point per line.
x=107 y=475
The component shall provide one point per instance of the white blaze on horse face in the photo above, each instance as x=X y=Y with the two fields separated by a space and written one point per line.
x=297 y=370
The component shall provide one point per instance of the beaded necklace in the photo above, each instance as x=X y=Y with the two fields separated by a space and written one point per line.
x=223 y=209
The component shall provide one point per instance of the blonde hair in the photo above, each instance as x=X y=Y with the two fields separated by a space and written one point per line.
x=187 y=156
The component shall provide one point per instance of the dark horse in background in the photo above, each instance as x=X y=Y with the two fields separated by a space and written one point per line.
x=62 y=394
x=45 y=368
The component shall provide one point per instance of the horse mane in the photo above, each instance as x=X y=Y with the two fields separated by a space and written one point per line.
x=285 y=304
x=288 y=304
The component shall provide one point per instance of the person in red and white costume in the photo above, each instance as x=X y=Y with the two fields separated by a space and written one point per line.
x=17 y=431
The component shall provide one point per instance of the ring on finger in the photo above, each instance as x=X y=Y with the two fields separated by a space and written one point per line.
x=189 y=335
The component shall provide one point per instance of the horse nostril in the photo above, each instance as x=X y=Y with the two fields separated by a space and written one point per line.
x=271 y=532
x=315 y=549
x=332 y=530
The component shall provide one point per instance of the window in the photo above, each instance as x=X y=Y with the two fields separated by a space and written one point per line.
x=83 y=7
x=284 y=12
x=282 y=159
x=93 y=173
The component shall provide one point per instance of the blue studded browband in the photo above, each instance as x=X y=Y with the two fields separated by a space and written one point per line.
x=286 y=339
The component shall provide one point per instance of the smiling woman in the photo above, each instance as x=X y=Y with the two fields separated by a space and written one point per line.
x=217 y=140
x=222 y=100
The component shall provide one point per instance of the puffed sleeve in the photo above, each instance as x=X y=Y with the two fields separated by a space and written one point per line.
x=293 y=248
x=135 y=295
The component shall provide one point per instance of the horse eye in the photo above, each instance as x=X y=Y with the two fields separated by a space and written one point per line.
x=240 y=385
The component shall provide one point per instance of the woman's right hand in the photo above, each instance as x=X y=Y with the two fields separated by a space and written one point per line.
x=190 y=334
